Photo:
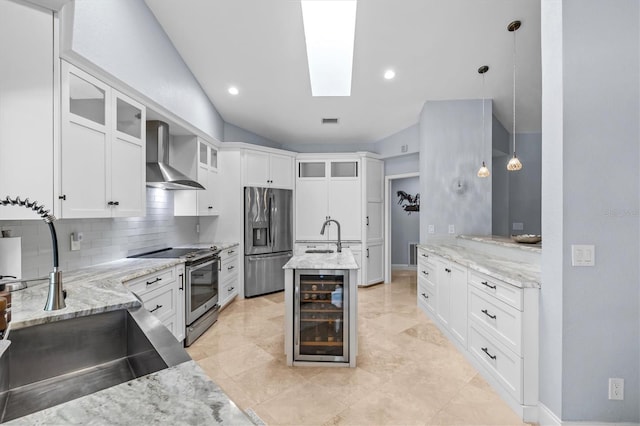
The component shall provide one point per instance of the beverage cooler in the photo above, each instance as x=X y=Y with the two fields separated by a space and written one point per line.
x=321 y=315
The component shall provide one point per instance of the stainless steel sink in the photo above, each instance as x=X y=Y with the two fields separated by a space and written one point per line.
x=57 y=362
x=318 y=251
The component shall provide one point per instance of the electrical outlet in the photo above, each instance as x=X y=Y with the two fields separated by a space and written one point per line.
x=616 y=388
x=452 y=229
x=404 y=148
x=76 y=238
x=197 y=228
x=517 y=226
x=432 y=229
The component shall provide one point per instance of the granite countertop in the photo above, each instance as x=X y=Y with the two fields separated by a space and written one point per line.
x=180 y=395
x=302 y=260
x=515 y=272
x=220 y=245
x=90 y=290
x=503 y=241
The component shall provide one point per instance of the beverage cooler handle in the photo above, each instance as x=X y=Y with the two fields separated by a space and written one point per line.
x=296 y=303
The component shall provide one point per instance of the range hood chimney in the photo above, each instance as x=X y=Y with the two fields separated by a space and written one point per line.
x=159 y=173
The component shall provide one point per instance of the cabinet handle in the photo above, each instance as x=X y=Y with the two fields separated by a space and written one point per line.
x=210 y=207
x=484 y=311
x=219 y=265
x=181 y=282
x=367 y=253
x=62 y=197
x=447 y=269
x=424 y=295
x=231 y=289
x=230 y=267
x=155 y=309
x=367 y=220
x=110 y=203
x=231 y=251
x=425 y=272
x=425 y=255
x=116 y=203
x=154 y=281
x=485 y=283
x=486 y=351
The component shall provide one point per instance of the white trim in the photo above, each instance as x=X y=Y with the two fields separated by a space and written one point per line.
x=387 y=220
x=547 y=417
x=402 y=267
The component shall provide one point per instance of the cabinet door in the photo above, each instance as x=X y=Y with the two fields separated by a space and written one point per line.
x=207 y=202
x=281 y=171
x=458 y=302
x=375 y=263
x=256 y=168
x=375 y=180
x=311 y=208
x=85 y=147
x=128 y=172
x=345 y=207
x=26 y=102
x=373 y=221
x=443 y=290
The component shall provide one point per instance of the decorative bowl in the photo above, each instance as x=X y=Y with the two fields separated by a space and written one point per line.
x=527 y=238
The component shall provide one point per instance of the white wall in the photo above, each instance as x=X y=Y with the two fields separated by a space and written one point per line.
x=451 y=152
x=405 y=227
x=123 y=39
x=391 y=146
x=104 y=239
x=500 y=180
x=402 y=164
x=236 y=134
x=589 y=325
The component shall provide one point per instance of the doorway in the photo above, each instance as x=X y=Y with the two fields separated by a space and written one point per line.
x=402 y=223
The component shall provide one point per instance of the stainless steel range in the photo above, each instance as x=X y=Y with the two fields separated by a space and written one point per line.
x=201 y=298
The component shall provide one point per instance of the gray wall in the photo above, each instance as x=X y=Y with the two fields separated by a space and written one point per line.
x=330 y=147
x=451 y=152
x=104 y=240
x=405 y=227
x=402 y=164
x=123 y=38
x=589 y=324
x=391 y=146
x=236 y=134
x=500 y=180
x=525 y=186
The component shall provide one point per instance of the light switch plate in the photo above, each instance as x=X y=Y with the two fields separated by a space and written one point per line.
x=452 y=229
x=431 y=229
x=583 y=255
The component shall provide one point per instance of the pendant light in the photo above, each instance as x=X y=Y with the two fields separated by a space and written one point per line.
x=483 y=172
x=514 y=164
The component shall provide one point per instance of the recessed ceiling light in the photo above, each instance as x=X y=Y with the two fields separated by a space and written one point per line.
x=233 y=90
x=329 y=31
x=389 y=74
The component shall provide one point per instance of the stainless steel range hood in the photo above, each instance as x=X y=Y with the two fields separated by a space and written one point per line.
x=159 y=173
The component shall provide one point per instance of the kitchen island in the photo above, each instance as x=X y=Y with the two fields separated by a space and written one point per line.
x=181 y=394
x=321 y=309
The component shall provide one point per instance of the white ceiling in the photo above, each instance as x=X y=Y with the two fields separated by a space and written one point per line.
x=435 y=47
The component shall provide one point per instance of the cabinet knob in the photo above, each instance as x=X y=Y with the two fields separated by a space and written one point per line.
x=447 y=269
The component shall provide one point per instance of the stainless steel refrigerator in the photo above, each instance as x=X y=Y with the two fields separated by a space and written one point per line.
x=268 y=238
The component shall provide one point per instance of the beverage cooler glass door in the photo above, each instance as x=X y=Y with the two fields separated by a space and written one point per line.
x=321 y=323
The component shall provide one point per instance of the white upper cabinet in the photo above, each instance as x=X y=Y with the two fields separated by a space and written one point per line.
x=102 y=149
x=199 y=160
x=375 y=180
x=266 y=169
x=26 y=107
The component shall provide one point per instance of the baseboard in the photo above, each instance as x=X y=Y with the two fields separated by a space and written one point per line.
x=401 y=267
x=547 y=418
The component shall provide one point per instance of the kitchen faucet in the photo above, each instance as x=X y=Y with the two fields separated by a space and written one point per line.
x=326 y=222
x=55 y=299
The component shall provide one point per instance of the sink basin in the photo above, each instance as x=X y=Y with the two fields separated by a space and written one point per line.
x=60 y=361
x=319 y=251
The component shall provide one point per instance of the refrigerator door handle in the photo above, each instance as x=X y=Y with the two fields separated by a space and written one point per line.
x=270 y=221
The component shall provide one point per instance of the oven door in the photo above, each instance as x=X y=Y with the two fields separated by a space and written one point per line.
x=202 y=288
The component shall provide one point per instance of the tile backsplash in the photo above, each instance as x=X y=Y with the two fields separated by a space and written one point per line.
x=103 y=240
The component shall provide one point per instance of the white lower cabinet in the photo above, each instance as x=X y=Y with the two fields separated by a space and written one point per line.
x=494 y=323
x=162 y=294
x=374 y=255
x=228 y=276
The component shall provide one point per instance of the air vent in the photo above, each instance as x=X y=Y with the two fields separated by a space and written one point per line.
x=329 y=121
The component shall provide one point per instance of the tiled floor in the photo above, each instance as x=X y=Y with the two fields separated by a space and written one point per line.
x=407 y=374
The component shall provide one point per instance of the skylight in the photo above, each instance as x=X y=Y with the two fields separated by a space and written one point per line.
x=329 y=28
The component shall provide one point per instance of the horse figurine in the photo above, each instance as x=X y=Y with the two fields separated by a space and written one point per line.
x=412 y=202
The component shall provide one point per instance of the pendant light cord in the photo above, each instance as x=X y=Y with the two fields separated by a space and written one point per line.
x=514 y=92
x=483 y=130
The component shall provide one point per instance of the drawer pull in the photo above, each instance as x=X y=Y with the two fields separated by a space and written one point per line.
x=156 y=308
x=484 y=311
x=425 y=272
x=230 y=267
x=425 y=255
x=424 y=295
x=488 y=354
x=231 y=289
x=447 y=269
x=485 y=283
x=231 y=251
x=154 y=281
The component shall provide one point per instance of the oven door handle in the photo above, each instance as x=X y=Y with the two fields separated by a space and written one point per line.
x=219 y=265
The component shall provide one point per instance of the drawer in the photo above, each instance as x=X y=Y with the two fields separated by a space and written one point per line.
x=501 y=363
x=161 y=302
x=228 y=267
x=507 y=293
x=228 y=289
x=424 y=257
x=150 y=282
x=427 y=274
x=233 y=251
x=426 y=297
x=170 y=323
x=504 y=322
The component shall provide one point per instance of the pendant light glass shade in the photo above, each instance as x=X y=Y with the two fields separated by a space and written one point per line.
x=483 y=172
x=514 y=163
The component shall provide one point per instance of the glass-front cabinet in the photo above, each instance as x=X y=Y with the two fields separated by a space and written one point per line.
x=321 y=317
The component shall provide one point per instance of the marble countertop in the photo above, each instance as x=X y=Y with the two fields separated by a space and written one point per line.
x=90 y=290
x=503 y=241
x=515 y=272
x=180 y=395
x=302 y=260
x=219 y=245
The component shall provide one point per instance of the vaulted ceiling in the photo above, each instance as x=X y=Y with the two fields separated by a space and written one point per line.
x=434 y=46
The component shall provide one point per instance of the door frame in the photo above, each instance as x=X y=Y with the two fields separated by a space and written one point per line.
x=387 y=220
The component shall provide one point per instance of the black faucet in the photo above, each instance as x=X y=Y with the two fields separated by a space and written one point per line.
x=55 y=299
x=326 y=222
